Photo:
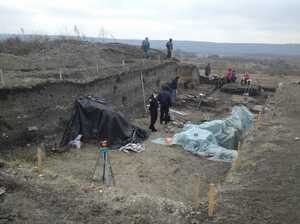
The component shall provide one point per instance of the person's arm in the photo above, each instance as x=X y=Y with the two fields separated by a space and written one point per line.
x=159 y=98
x=169 y=100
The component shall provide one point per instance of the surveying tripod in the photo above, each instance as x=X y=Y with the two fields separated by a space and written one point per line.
x=106 y=169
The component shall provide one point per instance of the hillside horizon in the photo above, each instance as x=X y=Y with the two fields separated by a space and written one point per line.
x=198 y=47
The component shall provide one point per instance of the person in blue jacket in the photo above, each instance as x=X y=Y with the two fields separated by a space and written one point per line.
x=173 y=88
x=146 y=47
x=164 y=99
x=169 y=46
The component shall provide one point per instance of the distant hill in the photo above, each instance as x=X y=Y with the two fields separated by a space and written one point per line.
x=227 y=49
x=210 y=48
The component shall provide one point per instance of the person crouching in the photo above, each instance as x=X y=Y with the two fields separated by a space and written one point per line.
x=153 y=111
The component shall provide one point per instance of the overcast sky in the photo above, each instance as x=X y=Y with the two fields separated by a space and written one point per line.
x=255 y=21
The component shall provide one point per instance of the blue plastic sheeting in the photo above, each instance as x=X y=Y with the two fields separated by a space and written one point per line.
x=215 y=139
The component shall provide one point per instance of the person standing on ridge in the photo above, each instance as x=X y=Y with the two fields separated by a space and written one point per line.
x=146 y=47
x=169 y=46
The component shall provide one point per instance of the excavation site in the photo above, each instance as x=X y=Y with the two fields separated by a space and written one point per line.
x=76 y=146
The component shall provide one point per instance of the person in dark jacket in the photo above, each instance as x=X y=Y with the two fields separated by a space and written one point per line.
x=153 y=111
x=233 y=78
x=173 y=88
x=164 y=99
x=207 y=69
x=169 y=46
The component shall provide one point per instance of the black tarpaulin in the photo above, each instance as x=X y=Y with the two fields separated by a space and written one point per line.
x=94 y=119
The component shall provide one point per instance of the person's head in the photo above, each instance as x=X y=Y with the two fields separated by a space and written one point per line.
x=170 y=40
x=177 y=78
x=146 y=38
x=154 y=94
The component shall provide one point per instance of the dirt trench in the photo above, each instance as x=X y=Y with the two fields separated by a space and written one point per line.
x=40 y=112
x=265 y=188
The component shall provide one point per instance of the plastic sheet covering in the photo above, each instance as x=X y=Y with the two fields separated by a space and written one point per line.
x=94 y=119
x=215 y=139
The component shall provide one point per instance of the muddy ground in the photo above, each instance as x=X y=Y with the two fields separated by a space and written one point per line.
x=154 y=186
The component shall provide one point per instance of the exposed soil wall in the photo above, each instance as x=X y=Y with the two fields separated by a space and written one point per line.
x=28 y=114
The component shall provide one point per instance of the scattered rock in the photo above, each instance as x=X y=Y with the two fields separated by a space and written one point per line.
x=2 y=190
x=33 y=128
x=239 y=100
x=257 y=108
x=209 y=102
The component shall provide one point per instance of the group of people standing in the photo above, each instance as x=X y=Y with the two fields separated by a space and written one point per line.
x=146 y=47
x=167 y=94
x=162 y=100
x=232 y=77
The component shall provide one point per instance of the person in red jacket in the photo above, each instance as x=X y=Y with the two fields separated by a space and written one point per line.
x=246 y=79
x=229 y=75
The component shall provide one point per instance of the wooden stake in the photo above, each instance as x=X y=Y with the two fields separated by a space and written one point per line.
x=237 y=162
x=2 y=77
x=60 y=74
x=97 y=68
x=196 y=191
x=258 y=118
x=40 y=160
x=211 y=199
x=143 y=90
x=123 y=62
